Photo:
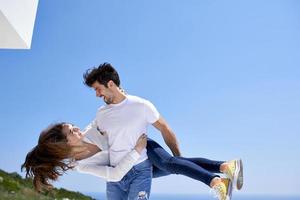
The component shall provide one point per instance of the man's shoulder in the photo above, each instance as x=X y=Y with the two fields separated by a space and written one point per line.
x=135 y=98
x=101 y=108
x=140 y=101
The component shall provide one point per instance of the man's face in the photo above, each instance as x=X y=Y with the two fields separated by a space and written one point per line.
x=103 y=92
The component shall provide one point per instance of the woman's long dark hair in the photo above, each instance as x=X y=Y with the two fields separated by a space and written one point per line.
x=49 y=159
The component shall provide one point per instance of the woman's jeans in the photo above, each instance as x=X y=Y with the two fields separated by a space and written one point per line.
x=164 y=164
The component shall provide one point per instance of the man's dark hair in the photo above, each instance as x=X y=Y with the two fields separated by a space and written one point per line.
x=103 y=74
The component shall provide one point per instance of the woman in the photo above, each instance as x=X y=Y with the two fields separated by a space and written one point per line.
x=62 y=147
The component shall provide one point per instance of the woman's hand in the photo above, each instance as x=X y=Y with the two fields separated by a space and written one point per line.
x=141 y=143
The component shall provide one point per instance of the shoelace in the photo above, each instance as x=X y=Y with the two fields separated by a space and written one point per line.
x=230 y=171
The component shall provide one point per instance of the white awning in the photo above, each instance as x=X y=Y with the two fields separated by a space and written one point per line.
x=16 y=23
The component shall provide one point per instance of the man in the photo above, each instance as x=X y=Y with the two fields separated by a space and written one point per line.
x=124 y=118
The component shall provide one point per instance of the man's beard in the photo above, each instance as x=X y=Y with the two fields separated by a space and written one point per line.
x=108 y=101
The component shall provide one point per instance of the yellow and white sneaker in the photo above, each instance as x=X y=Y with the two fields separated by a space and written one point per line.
x=223 y=190
x=235 y=173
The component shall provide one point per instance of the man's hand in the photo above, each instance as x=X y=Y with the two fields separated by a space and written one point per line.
x=141 y=143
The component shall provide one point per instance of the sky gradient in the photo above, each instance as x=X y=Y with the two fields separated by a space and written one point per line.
x=222 y=73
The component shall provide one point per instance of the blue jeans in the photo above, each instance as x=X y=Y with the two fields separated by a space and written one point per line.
x=164 y=164
x=135 y=185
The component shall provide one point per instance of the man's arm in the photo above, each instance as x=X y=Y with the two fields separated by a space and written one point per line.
x=168 y=135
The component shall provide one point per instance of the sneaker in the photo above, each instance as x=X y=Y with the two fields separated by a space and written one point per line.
x=223 y=189
x=235 y=173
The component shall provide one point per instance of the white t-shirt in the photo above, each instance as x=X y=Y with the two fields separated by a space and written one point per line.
x=124 y=123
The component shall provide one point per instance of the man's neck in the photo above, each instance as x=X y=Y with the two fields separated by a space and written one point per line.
x=119 y=97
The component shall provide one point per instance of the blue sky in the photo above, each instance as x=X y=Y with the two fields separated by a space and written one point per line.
x=224 y=74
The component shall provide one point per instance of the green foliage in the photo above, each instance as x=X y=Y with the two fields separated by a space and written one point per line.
x=13 y=186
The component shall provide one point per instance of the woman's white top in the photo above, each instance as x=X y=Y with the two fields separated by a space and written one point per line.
x=98 y=164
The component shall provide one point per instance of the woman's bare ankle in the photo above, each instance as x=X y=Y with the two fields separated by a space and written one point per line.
x=223 y=167
x=215 y=181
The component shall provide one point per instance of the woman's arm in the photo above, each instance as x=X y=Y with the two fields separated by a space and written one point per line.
x=115 y=174
x=93 y=135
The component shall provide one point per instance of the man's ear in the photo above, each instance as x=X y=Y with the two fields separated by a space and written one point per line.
x=110 y=84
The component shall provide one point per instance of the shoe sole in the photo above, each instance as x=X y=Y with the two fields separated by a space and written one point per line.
x=238 y=174
x=229 y=190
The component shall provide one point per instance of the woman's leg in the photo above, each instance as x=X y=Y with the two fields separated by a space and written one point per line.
x=174 y=165
x=232 y=169
x=210 y=165
x=159 y=172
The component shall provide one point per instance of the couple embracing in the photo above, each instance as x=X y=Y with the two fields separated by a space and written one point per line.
x=114 y=146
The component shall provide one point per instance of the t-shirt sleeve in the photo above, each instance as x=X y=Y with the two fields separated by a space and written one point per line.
x=151 y=113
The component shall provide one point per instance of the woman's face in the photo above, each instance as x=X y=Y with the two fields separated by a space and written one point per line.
x=73 y=134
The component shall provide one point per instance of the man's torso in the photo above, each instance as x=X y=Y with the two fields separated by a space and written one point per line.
x=123 y=123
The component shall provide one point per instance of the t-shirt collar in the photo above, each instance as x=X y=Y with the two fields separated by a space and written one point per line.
x=119 y=104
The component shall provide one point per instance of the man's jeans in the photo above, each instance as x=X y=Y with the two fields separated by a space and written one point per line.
x=135 y=185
